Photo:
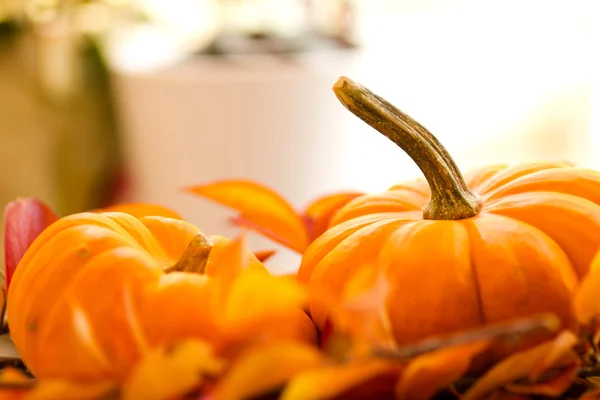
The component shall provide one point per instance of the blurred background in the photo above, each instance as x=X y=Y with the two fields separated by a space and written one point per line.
x=131 y=100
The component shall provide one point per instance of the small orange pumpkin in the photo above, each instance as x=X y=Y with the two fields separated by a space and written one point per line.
x=458 y=252
x=94 y=291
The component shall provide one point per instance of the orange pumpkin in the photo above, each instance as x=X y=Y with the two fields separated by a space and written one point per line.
x=94 y=291
x=458 y=252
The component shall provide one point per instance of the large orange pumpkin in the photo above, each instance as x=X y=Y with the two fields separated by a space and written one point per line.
x=95 y=290
x=458 y=252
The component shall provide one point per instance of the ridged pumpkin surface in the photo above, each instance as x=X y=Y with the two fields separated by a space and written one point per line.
x=523 y=238
x=91 y=295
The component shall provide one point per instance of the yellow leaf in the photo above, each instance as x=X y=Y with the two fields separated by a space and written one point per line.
x=427 y=374
x=261 y=209
x=332 y=381
x=263 y=369
x=256 y=295
x=526 y=364
x=165 y=373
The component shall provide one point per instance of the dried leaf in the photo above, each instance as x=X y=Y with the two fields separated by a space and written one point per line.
x=49 y=389
x=504 y=395
x=429 y=373
x=330 y=381
x=260 y=208
x=165 y=373
x=318 y=214
x=593 y=394
x=24 y=220
x=140 y=210
x=263 y=369
x=526 y=364
x=499 y=331
x=552 y=387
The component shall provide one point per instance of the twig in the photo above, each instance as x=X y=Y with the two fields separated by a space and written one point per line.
x=500 y=331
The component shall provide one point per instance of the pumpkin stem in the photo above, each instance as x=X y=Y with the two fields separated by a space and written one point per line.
x=194 y=257
x=451 y=199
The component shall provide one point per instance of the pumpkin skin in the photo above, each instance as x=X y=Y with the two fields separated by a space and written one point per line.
x=529 y=236
x=91 y=294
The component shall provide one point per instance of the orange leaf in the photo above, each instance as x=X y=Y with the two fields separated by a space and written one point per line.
x=585 y=300
x=263 y=369
x=526 y=364
x=331 y=381
x=260 y=208
x=166 y=373
x=264 y=255
x=24 y=220
x=70 y=390
x=427 y=374
x=227 y=260
x=140 y=210
x=14 y=384
x=361 y=312
x=318 y=214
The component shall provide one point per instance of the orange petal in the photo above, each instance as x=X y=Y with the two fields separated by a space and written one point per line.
x=140 y=210
x=63 y=389
x=528 y=363
x=263 y=369
x=427 y=374
x=166 y=373
x=24 y=220
x=553 y=387
x=329 y=382
x=318 y=214
x=261 y=209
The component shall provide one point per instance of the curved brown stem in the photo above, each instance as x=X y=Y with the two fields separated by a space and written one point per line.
x=451 y=199
x=194 y=257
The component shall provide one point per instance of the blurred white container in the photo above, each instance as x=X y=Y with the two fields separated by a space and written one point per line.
x=271 y=119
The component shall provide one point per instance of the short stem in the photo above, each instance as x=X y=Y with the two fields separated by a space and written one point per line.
x=194 y=257
x=451 y=199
